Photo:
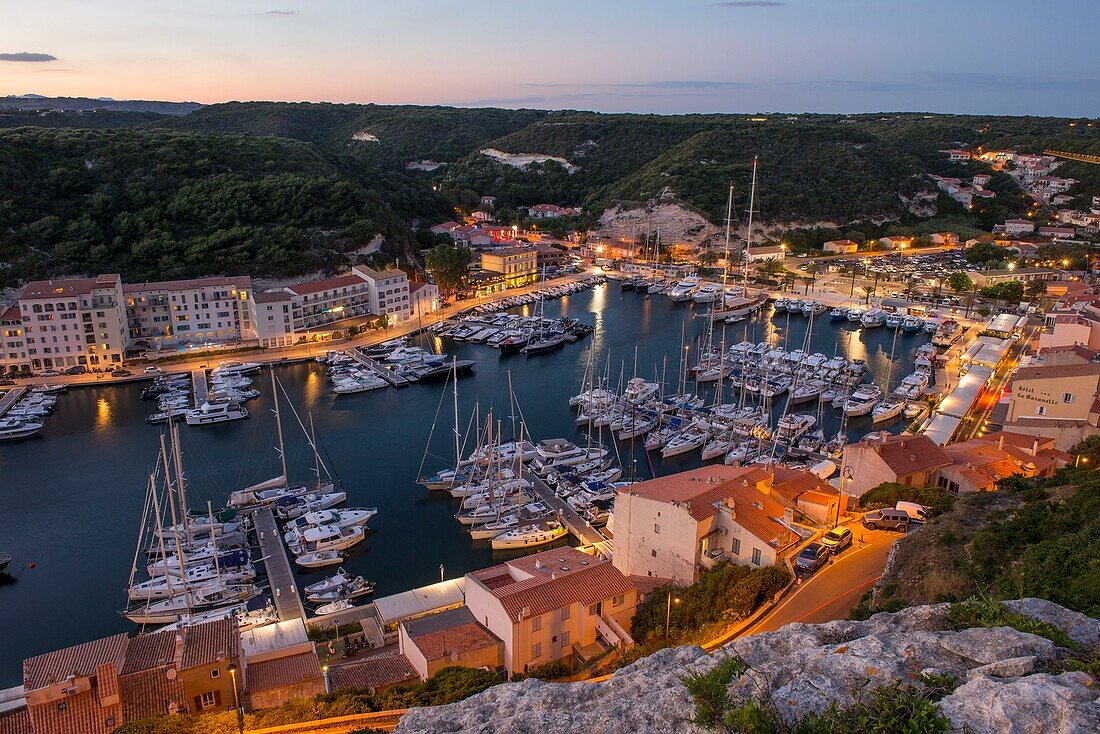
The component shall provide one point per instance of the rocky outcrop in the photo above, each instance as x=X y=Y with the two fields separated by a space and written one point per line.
x=1008 y=680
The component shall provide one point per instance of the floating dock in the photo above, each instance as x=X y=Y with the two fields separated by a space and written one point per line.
x=10 y=398
x=283 y=589
x=569 y=517
x=198 y=384
x=388 y=375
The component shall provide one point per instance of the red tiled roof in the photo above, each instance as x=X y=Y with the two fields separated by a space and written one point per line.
x=908 y=454
x=210 y=642
x=793 y=483
x=78 y=660
x=695 y=487
x=455 y=631
x=149 y=651
x=268 y=674
x=11 y=314
x=235 y=281
x=385 y=670
x=16 y=721
x=1057 y=373
x=316 y=286
x=67 y=288
x=550 y=580
x=271 y=297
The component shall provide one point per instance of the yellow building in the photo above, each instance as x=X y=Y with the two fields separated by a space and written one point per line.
x=519 y=265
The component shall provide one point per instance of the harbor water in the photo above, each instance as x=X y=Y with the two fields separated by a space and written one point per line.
x=72 y=497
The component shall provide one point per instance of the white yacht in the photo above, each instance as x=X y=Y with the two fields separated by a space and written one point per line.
x=529 y=536
x=13 y=428
x=791 y=426
x=707 y=293
x=218 y=411
x=690 y=440
x=684 y=289
x=232 y=367
x=327 y=537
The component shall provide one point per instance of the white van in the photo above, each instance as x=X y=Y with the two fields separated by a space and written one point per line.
x=916 y=513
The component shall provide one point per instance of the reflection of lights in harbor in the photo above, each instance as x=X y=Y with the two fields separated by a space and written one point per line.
x=599 y=299
x=102 y=413
x=312 y=388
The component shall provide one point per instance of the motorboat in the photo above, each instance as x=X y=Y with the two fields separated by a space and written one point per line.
x=684 y=289
x=887 y=410
x=689 y=440
x=894 y=320
x=233 y=367
x=334 y=607
x=855 y=314
x=326 y=537
x=319 y=559
x=838 y=314
x=13 y=428
x=707 y=293
x=218 y=411
x=353 y=589
x=912 y=324
x=791 y=426
x=543 y=343
x=873 y=319
x=529 y=536
x=329 y=583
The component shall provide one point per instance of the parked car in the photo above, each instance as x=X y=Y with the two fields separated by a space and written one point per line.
x=837 y=539
x=886 y=520
x=76 y=370
x=812 y=557
x=916 y=513
x=121 y=373
x=49 y=373
x=154 y=370
x=5 y=382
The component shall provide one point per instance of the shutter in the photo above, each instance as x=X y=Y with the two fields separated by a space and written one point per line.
x=198 y=704
x=217 y=697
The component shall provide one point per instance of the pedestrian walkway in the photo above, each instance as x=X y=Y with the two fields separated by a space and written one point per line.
x=10 y=398
x=569 y=517
x=198 y=384
x=279 y=574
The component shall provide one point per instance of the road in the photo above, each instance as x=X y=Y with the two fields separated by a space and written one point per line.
x=832 y=592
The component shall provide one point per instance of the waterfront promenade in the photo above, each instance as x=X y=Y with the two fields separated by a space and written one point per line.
x=279 y=574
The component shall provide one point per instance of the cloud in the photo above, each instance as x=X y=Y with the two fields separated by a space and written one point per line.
x=660 y=84
x=749 y=4
x=27 y=56
x=281 y=12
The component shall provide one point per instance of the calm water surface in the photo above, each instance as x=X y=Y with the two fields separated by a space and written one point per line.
x=72 y=498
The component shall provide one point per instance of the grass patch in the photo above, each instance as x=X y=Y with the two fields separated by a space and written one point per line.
x=710 y=691
x=896 y=709
x=990 y=613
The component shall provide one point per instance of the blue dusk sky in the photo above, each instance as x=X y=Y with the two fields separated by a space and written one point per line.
x=1038 y=57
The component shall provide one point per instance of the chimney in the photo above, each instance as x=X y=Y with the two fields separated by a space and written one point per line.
x=538 y=563
x=1001 y=442
x=1035 y=447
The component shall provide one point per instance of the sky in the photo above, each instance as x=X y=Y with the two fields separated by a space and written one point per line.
x=1038 y=57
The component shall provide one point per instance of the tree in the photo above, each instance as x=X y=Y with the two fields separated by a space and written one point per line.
x=812 y=270
x=448 y=266
x=1036 y=288
x=772 y=267
x=708 y=258
x=868 y=293
x=960 y=282
x=984 y=252
x=1087 y=452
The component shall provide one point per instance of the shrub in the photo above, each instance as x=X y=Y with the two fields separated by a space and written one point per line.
x=888 y=494
x=990 y=613
x=896 y=709
x=547 y=671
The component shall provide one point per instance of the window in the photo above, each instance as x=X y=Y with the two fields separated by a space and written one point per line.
x=617 y=601
x=216 y=673
x=735 y=546
x=1068 y=398
x=209 y=700
x=536 y=650
x=653 y=552
x=62 y=706
x=1040 y=410
x=656 y=528
x=536 y=624
x=565 y=639
x=564 y=613
x=756 y=556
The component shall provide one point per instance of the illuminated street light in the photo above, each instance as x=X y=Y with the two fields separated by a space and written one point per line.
x=668 y=613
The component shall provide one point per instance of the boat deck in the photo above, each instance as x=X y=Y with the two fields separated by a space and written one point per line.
x=283 y=589
x=569 y=517
x=198 y=384
x=373 y=365
x=10 y=398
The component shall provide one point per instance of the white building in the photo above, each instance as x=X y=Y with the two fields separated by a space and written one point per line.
x=760 y=254
x=66 y=323
x=190 y=312
x=423 y=299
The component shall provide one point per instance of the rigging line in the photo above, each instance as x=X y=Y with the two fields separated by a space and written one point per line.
x=301 y=425
x=431 y=432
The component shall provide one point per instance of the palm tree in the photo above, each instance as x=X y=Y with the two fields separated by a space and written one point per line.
x=788 y=280
x=868 y=293
x=910 y=286
x=812 y=271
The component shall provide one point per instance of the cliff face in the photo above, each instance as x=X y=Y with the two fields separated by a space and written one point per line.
x=1008 y=681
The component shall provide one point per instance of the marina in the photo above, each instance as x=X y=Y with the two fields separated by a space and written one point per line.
x=102 y=429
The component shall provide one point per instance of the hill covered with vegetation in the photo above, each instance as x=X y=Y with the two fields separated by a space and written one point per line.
x=284 y=189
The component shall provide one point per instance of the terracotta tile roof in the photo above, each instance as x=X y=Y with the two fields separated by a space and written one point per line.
x=316 y=286
x=1057 y=373
x=386 y=670
x=210 y=642
x=455 y=631
x=16 y=721
x=67 y=288
x=696 y=488
x=268 y=674
x=149 y=651
x=550 y=580
x=11 y=314
x=906 y=455
x=819 y=498
x=646 y=585
x=793 y=483
x=756 y=512
x=507 y=251
x=271 y=297
x=78 y=660
x=379 y=274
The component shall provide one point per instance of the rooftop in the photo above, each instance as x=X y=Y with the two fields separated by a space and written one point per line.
x=273 y=637
x=76 y=661
x=697 y=489
x=38 y=289
x=1059 y=372
x=907 y=454
x=372 y=674
x=281 y=672
x=317 y=286
x=550 y=580
x=440 y=635
x=235 y=281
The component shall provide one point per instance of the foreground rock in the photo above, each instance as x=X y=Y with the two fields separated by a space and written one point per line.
x=1004 y=676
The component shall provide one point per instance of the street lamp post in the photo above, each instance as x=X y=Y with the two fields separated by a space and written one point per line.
x=236 y=697
x=668 y=612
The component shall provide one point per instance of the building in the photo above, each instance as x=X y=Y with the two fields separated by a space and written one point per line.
x=674 y=527
x=423 y=299
x=518 y=265
x=202 y=311
x=841 y=247
x=1024 y=275
x=96 y=686
x=13 y=342
x=957 y=156
x=1068 y=324
x=1061 y=402
x=279 y=663
x=273 y=325
x=1018 y=226
x=911 y=460
x=374 y=674
x=895 y=243
x=453 y=637
x=977 y=465
x=550 y=257
x=550 y=211
x=73 y=322
x=762 y=254
x=557 y=605
x=946 y=239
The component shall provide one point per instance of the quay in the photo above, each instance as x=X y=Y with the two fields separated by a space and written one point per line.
x=569 y=517
x=198 y=384
x=388 y=375
x=283 y=589
x=11 y=397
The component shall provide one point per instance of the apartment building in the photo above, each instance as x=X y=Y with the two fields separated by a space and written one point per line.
x=519 y=264
x=557 y=605
x=66 y=323
x=444 y=639
x=977 y=465
x=675 y=527
x=13 y=343
x=174 y=313
x=1056 y=401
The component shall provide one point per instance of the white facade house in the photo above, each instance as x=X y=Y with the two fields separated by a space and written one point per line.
x=201 y=311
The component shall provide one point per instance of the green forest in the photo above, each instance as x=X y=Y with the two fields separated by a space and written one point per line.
x=282 y=189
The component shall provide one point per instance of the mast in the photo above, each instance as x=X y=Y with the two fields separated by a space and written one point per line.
x=316 y=456
x=210 y=516
x=458 y=446
x=726 y=256
x=177 y=459
x=748 y=235
x=279 y=430
x=175 y=521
